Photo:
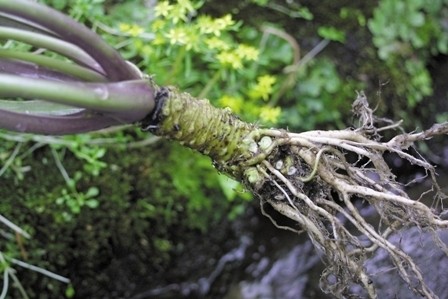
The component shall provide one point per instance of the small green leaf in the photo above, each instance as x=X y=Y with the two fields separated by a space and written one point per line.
x=331 y=33
x=92 y=192
x=92 y=203
x=261 y=2
x=228 y=187
x=70 y=291
x=305 y=13
x=417 y=19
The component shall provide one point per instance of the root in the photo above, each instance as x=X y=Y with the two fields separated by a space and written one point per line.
x=307 y=177
x=317 y=179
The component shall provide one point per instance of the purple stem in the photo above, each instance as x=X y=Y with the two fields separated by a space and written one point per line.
x=71 y=31
x=135 y=96
x=14 y=22
x=80 y=122
x=30 y=70
x=51 y=43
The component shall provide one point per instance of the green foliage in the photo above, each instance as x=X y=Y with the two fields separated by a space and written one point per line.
x=81 y=10
x=75 y=201
x=233 y=64
x=294 y=10
x=150 y=200
x=193 y=180
x=322 y=96
x=70 y=292
x=347 y=13
x=12 y=165
x=406 y=33
x=91 y=155
x=202 y=54
x=331 y=33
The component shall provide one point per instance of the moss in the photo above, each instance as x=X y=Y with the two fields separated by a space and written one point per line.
x=143 y=224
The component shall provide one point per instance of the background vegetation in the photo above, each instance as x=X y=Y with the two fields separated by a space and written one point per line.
x=98 y=202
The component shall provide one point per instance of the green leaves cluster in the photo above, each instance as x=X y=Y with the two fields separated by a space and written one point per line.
x=194 y=195
x=400 y=27
x=213 y=57
x=81 y=10
x=406 y=33
x=322 y=96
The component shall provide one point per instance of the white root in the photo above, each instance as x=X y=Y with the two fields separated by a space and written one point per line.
x=320 y=163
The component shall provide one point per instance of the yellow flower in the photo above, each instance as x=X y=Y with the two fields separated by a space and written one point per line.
x=177 y=36
x=132 y=30
x=263 y=89
x=224 y=22
x=230 y=58
x=178 y=13
x=270 y=114
x=186 y=6
x=266 y=81
x=136 y=30
x=207 y=25
x=163 y=8
x=204 y=24
x=247 y=52
x=192 y=40
x=234 y=103
x=159 y=39
x=217 y=43
x=158 y=25
x=124 y=27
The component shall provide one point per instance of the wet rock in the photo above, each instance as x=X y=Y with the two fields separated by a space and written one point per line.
x=421 y=247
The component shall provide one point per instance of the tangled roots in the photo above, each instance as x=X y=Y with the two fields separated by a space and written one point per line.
x=316 y=178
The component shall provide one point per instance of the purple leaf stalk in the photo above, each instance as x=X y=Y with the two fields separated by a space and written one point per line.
x=91 y=87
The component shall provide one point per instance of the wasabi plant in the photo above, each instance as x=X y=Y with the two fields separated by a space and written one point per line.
x=312 y=177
